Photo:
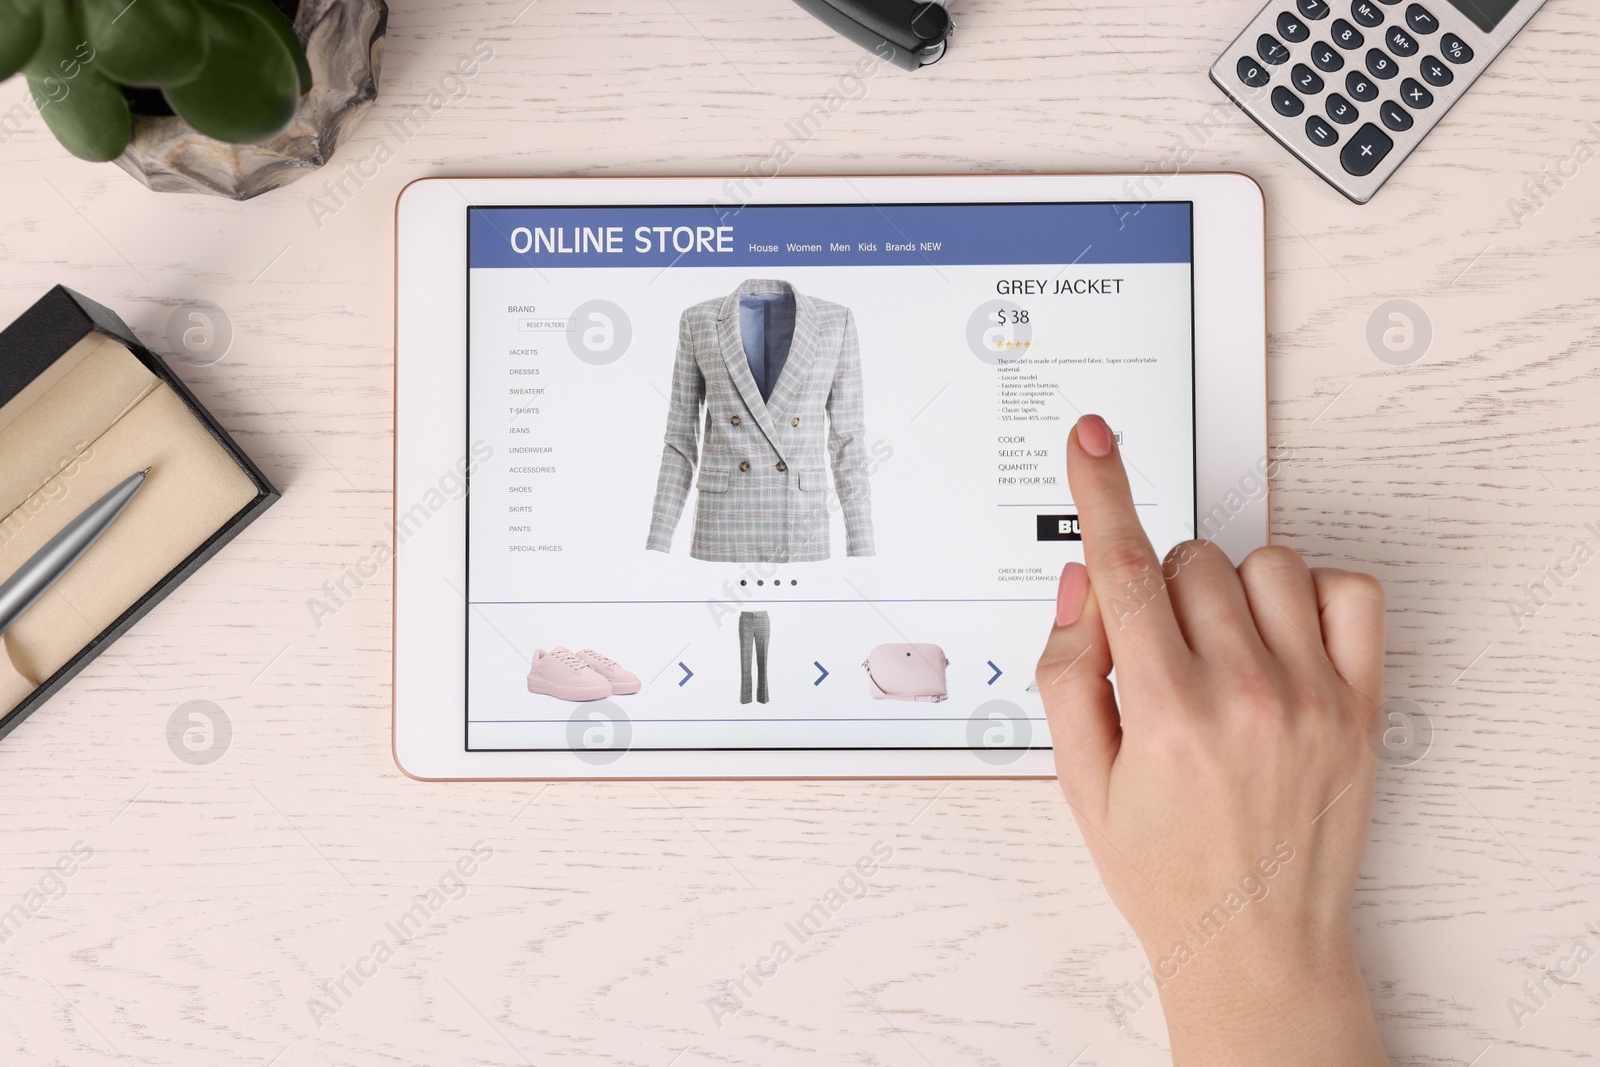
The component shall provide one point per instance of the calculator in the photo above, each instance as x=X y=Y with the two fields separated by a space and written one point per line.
x=1352 y=86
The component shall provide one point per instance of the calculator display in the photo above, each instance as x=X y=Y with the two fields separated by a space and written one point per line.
x=1485 y=13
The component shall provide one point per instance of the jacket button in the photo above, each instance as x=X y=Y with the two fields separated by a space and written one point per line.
x=782 y=465
x=744 y=466
x=795 y=421
x=736 y=420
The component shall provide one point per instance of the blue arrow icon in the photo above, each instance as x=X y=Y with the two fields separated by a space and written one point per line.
x=687 y=674
x=821 y=668
x=997 y=671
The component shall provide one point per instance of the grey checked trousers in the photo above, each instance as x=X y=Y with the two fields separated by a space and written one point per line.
x=755 y=631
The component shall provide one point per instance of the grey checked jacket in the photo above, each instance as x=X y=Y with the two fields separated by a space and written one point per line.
x=763 y=469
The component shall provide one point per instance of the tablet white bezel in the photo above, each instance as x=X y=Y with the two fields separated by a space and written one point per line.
x=431 y=437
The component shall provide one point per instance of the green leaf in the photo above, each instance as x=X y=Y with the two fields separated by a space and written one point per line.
x=88 y=114
x=83 y=108
x=147 y=42
x=21 y=29
x=285 y=30
x=249 y=88
x=62 y=49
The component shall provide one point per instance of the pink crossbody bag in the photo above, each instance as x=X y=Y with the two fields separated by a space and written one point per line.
x=907 y=672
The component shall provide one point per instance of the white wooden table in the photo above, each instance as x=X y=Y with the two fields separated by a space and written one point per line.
x=220 y=898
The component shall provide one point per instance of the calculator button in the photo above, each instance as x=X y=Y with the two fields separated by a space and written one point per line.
x=1395 y=117
x=1360 y=86
x=1323 y=55
x=1305 y=79
x=1320 y=132
x=1366 y=13
x=1292 y=28
x=1436 y=73
x=1421 y=20
x=1346 y=35
x=1400 y=42
x=1341 y=110
x=1366 y=150
x=1414 y=95
x=1270 y=49
x=1380 y=65
x=1251 y=73
x=1286 y=103
x=1455 y=49
x=1315 y=10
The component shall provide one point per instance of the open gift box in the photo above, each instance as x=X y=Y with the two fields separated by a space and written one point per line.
x=82 y=406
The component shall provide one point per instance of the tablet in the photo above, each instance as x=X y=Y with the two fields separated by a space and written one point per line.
x=763 y=477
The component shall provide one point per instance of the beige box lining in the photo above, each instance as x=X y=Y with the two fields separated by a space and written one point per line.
x=95 y=417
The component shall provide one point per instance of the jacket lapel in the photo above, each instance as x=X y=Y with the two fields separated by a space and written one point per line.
x=733 y=358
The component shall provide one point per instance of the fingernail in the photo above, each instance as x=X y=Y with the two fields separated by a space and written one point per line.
x=1094 y=436
x=1071 y=592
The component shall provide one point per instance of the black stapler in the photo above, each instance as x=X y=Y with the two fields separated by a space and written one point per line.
x=907 y=33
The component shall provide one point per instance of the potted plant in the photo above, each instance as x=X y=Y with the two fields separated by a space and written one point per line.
x=203 y=95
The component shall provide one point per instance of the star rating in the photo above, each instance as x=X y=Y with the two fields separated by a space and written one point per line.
x=1013 y=344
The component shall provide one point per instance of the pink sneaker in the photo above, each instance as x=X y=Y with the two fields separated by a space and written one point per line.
x=623 y=682
x=560 y=674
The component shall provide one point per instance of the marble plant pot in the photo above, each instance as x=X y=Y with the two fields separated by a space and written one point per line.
x=343 y=43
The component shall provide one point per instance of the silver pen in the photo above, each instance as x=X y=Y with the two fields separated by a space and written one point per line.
x=35 y=577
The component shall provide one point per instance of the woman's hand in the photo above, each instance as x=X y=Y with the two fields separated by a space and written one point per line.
x=1224 y=787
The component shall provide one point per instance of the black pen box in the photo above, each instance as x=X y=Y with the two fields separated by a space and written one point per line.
x=83 y=405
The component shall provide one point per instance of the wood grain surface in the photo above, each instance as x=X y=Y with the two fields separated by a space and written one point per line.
x=210 y=903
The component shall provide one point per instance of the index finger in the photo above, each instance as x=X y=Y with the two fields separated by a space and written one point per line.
x=1123 y=568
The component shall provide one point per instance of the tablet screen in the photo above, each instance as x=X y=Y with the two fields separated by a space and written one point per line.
x=791 y=477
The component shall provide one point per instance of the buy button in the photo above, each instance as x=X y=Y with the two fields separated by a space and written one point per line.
x=1058 y=528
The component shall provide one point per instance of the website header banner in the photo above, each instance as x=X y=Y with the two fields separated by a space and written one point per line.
x=829 y=235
